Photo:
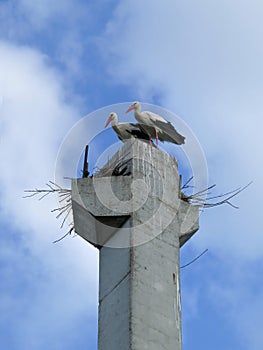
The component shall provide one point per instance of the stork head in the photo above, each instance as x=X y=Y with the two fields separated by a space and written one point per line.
x=112 y=118
x=136 y=106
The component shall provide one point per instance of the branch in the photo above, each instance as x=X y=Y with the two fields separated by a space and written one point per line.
x=52 y=188
x=64 y=195
x=187 y=182
x=196 y=198
x=68 y=233
x=192 y=261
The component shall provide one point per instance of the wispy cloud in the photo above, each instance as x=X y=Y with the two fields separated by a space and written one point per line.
x=180 y=54
x=62 y=30
x=38 y=276
x=204 y=62
x=201 y=61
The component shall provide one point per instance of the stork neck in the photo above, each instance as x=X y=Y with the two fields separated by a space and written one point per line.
x=114 y=122
x=138 y=116
x=138 y=109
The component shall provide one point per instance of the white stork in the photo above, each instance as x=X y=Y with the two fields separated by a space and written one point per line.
x=156 y=126
x=126 y=131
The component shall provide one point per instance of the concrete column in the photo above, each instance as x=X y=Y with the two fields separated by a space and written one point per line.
x=133 y=213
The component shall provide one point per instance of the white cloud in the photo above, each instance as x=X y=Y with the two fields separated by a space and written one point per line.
x=191 y=43
x=38 y=275
x=236 y=301
x=53 y=27
x=193 y=61
x=204 y=62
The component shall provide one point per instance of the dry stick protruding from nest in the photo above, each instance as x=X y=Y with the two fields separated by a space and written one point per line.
x=64 y=195
x=68 y=233
x=187 y=182
x=52 y=189
x=196 y=198
x=226 y=200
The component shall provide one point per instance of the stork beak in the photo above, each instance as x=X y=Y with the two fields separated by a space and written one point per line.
x=108 y=122
x=130 y=109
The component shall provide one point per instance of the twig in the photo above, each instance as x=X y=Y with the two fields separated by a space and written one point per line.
x=203 y=192
x=53 y=183
x=187 y=182
x=68 y=233
x=196 y=198
x=192 y=261
x=67 y=207
x=226 y=200
x=61 y=208
x=65 y=218
x=64 y=196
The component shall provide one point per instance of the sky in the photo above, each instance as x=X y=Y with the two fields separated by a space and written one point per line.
x=61 y=61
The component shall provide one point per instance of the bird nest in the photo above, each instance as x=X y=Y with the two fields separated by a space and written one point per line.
x=203 y=198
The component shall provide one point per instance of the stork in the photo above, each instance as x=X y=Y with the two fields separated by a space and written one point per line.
x=126 y=131
x=156 y=126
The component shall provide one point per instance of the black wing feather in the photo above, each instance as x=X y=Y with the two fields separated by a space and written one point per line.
x=169 y=133
x=138 y=132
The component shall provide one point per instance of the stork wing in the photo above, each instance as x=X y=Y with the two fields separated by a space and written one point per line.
x=166 y=135
x=149 y=130
x=168 y=132
x=136 y=131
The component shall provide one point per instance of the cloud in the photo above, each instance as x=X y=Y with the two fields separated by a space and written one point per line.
x=212 y=68
x=201 y=61
x=235 y=298
x=199 y=44
x=204 y=62
x=35 y=116
x=56 y=28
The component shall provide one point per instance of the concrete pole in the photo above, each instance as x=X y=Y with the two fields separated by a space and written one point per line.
x=138 y=221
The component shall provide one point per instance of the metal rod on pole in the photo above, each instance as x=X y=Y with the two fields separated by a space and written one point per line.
x=86 y=164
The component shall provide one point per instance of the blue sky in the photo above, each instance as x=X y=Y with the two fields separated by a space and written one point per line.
x=62 y=60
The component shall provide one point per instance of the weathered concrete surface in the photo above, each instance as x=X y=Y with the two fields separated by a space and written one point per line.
x=139 y=297
x=139 y=294
x=155 y=302
x=149 y=195
x=114 y=298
